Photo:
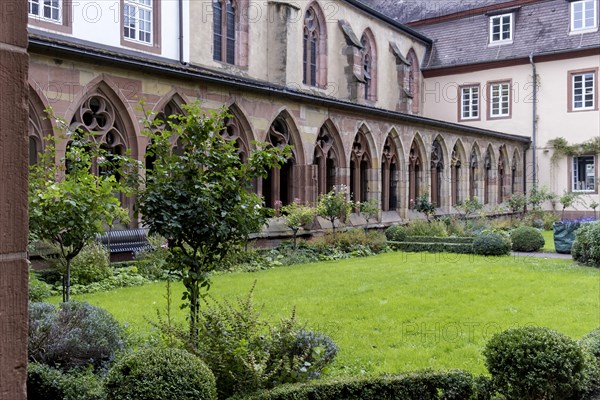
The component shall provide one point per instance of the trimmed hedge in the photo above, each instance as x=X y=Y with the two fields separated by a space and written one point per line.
x=161 y=374
x=422 y=385
x=533 y=363
x=492 y=243
x=396 y=233
x=526 y=238
x=415 y=247
x=436 y=239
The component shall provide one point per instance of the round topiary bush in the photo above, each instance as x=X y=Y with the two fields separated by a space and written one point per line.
x=526 y=238
x=396 y=233
x=492 y=243
x=535 y=363
x=586 y=247
x=154 y=373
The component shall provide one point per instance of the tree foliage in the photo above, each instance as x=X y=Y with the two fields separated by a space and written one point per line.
x=369 y=210
x=297 y=216
x=69 y=206
x=423 y=205
x=201 y=198
x=468 y=207
x=335 y=205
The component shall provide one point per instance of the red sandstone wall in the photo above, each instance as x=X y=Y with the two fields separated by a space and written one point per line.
x=13 y=199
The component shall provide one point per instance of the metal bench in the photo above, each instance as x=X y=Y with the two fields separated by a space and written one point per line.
x=120 y=241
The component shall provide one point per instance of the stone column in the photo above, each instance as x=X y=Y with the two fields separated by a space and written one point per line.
x=13 y=199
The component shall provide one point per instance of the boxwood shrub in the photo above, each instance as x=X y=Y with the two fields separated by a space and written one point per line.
x=586 y=247
x=396 y=233
x=423 y=385
x=160 y=374
x=434 y=239
x=47 y=383
x=492 y=243
x=533 y=363
x=526 y=238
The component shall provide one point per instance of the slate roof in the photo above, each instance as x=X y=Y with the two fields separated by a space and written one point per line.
x=405 y=11
x=540 y=28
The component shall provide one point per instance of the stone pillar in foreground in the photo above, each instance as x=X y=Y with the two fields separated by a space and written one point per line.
x=13 y=199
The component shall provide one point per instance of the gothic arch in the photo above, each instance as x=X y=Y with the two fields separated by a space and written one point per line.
x=361 y=159
x=438 y=165
x=392 y=172
x=413 y=81
x=329 y=157
x=459 y=168
x=416 y=169
x=314 y=46
x=280 y=186
x=295 y=140
x=121 y=112
x=502 y=174
x=239 y=128
x=369 y=64
x=475 y=163
x=39 y=125
x=489 y=163
x=516 y=172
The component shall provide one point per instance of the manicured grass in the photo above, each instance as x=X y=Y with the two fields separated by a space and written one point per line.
x=396 y=312
x=549 y=238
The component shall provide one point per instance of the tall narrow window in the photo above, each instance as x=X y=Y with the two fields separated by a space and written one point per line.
x=583 y=15
x=437 y=168
x=501 y=28
x=369 y=65
x=414 y=174
x=501 y=173
x=583 y=91
x=473 y=178
x=469 y=103
x=137 y=20
x=487 y=178
x=455 y=172
x=49 y=10
x=360 y=161
x=499 y=100
x=583 y=174
x=311 y=37
x=389 y=176
x=224 y=21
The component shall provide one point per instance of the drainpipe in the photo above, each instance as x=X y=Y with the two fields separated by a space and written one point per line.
x=534 y=122
x=180 y=6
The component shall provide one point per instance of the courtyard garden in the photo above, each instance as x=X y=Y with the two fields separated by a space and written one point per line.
x=434 y=308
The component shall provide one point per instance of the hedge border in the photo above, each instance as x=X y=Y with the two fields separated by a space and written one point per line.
x=416 y=247
x=436 y=239
x=449 y=385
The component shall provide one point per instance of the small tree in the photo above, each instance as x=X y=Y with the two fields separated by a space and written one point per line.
x=517 y=203
x=296 y=216
x=369 y=211
x=538 y=195
x=568 y=199
x=69 y=206
x=468 y=207
x=201 y=200
x=422 y=204
x=335 y=205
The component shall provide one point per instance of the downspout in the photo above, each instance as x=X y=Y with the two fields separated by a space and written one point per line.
x=534 y=122
x=180 y=5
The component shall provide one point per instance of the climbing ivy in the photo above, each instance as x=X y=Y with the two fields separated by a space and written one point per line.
x=562 y=148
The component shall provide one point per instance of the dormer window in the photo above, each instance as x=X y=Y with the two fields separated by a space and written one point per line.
x=583 y=15
x=501 y=28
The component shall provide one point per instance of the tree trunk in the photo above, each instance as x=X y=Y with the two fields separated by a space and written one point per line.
x=67 y=282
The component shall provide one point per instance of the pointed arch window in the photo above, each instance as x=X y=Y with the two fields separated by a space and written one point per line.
x=170 y=109
x=487 y=177
x=514 y=174
x=415 y=170
x=360 y=162
x=224 y=27
x=390 y=176
x=455 y=166
x=473 y=167
x=369 y=66
x=233 y=131
x=326 y=159
x=501 y=175
x=311 y=38
x=278 y=185
x=437 y=170
x=36 y=135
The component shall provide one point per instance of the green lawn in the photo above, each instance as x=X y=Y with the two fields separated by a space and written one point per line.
x=396 y=312
x=549 y=238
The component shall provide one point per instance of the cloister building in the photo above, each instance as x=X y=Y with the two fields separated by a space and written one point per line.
x=345 y=85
